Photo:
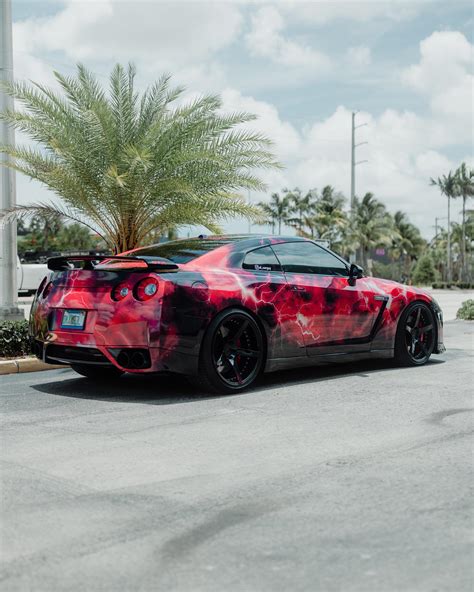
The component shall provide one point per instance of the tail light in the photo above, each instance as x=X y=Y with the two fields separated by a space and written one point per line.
x=120 y=292
x=47 y=289
x=41 y=286
x=146 y=289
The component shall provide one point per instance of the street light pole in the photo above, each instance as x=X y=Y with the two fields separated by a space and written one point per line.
x=8 y=281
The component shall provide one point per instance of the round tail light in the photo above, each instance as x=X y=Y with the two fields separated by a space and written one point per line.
x=120 y=292
x=146 y=289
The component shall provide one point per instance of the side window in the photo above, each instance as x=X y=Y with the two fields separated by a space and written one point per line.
x=262 y=259
x=306 y=257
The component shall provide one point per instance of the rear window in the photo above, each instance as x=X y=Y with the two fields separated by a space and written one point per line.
x=183 y=251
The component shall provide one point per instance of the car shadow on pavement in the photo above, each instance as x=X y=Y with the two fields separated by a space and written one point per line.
x=334 y=371
x=169 y=389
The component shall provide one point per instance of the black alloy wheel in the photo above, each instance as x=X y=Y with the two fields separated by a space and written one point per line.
x=416 y=335
x=232 y=353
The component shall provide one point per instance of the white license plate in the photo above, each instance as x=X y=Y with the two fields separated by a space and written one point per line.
x=73 y=319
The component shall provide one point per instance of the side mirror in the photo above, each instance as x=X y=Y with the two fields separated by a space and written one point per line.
x=355 y=272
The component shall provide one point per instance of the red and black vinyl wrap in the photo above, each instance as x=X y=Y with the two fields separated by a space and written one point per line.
x=327 y=316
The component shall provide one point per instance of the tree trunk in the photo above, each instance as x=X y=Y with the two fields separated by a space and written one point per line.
x=449 y=272
x=463 y=240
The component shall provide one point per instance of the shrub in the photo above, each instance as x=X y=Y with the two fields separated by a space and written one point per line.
x=466 y=311
x=386 y=271
x=14 y=339
x=424 y=273
x=447 y=286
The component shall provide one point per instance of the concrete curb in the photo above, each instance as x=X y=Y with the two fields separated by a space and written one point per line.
x=26 y=365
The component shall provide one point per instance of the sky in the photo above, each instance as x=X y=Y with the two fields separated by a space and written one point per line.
x=406 y=67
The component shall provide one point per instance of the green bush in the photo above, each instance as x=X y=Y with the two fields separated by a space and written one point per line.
x=447 y=286
x=386 y=271
x=466 y=311
x=424 y=273
x=14 y=339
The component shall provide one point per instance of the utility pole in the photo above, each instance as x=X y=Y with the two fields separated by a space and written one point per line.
x=8 y=281
x=354 y=164
x=353 y=160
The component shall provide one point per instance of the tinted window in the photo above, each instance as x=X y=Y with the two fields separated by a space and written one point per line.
x=182 y=251
x=306 y=257
x=261 y=260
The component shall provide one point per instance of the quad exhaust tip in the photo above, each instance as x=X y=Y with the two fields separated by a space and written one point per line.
x=131 y=358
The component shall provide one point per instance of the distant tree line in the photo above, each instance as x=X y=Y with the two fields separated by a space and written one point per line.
x=46 y=233
x=371 y=229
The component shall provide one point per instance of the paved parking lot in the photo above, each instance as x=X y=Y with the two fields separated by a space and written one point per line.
x=344 y=478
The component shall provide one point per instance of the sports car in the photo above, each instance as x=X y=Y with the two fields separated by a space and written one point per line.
x=225 y=309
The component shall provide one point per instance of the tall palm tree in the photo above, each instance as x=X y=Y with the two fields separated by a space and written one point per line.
x=329 y=219
x=372 y=225
x=447 y=184
x=407 y=242
x=276 y=211
x=301 y=206
x=465 y=184
x=126 y=164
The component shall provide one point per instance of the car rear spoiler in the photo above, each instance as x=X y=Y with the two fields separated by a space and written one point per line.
x=159 y=264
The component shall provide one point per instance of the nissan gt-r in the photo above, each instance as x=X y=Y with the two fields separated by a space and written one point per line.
x=224 y=310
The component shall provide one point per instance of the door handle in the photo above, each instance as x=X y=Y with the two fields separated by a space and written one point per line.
x=298 y=288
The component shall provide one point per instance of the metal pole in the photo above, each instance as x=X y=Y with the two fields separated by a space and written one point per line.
x=353 y=163
x=8 y=261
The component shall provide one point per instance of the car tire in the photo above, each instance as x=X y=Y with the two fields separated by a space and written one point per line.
x=98 y=373
x=416 y=335
x=232 y=353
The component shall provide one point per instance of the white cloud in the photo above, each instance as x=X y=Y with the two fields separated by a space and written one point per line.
x=404 y=150
x=359 y=56
x=444 y=76
x=321 y=13
x=266 y=40
x=154 y=32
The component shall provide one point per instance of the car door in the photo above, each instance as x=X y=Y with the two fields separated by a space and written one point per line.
x=267 y=291
x=335 y=316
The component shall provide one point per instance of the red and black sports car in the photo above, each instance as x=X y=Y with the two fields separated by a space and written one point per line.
x=223 y=309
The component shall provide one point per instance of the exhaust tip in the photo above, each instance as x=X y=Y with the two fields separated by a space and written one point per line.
x=132 y=359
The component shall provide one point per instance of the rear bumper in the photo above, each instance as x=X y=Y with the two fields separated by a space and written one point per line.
x=138 y=360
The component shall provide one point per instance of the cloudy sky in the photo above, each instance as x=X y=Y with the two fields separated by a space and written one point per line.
x=302 y=67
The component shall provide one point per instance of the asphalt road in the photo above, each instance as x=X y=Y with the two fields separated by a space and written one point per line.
x=342 y=478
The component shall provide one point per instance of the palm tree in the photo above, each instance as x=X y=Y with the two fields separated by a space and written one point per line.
x=465 y=184
x=330 y=219
x=407 y=242
x=276 y=211
x=125 y=165
x=300 y=205
x=447 y=184
x=372 y=225
x=327 y=218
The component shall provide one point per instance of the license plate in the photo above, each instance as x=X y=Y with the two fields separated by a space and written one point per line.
x=73 y=319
